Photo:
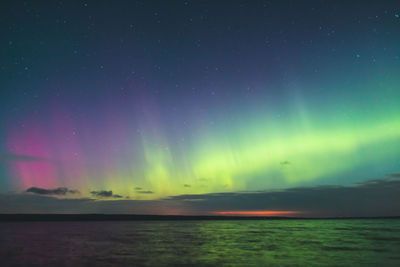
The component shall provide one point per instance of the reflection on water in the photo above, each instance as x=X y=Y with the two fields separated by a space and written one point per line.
x=283 y=242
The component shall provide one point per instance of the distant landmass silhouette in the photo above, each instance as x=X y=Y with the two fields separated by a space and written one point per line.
x=137 y=217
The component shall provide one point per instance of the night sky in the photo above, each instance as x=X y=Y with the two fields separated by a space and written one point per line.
x=200 y=107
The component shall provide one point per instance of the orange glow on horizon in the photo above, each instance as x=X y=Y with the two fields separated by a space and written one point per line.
x=257 y=213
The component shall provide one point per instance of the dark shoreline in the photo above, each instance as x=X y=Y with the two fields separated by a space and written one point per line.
x=129 y=217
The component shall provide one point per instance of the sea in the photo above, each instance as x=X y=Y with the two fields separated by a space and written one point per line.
x=349 y=242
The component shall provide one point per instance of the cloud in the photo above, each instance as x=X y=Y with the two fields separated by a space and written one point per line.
x=102 y=193
x=395 y=175
x=378 y=197
x=285 y=162
x=145 y=192
x=371 y=198
x=60 y=191
x=35 y=203
x=32 y=203
x=140 y=190
x=187 y=185
x=105 y=194
x=20 y=158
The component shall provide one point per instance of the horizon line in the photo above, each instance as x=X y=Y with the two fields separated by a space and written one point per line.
x=4 y=217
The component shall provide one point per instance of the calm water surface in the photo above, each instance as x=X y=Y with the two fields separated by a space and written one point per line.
x=204 y=243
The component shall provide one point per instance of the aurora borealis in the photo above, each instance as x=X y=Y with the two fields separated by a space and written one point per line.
x=148 y=100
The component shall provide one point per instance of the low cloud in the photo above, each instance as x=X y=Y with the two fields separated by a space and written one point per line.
x=186 y=185
x=102 y=193
x=285 y=162
x=140 y=190
x=378 y=197
x=105 y=194
x=371 y=198
x=145 y=192
x=60 y=191
x=33 y=203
